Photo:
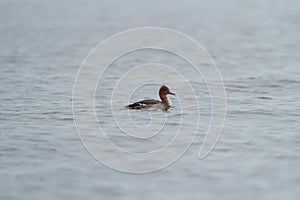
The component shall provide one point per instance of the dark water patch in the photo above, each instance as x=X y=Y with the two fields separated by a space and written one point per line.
x=38 y=140
x=9 y=149
x=252 y=112
x=252 y=78
x=275 y=86
x=222 y=149
x=48 y=149
x=239 y=86
x=289 y=81
x=172 y=123
x=67 y=119
x=265 y=98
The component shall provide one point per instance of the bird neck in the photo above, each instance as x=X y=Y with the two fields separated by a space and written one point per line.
x=165 y=100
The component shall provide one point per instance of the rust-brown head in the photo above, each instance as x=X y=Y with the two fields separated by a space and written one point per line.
x=164 y=91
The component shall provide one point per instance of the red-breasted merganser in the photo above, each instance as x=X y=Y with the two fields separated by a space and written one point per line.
x=164 y=104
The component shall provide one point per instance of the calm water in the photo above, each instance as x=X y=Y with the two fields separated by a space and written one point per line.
x=256 y=46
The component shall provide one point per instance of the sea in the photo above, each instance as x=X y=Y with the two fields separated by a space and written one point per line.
x=255 y=45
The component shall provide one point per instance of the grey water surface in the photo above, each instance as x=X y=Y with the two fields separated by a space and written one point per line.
x=255 y=44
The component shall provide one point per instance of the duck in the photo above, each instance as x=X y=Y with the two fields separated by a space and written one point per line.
x=164 y=104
